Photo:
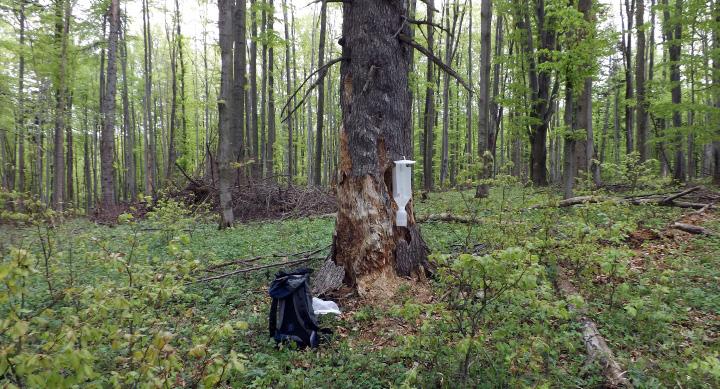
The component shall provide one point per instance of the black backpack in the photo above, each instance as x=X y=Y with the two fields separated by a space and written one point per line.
x=291 y=314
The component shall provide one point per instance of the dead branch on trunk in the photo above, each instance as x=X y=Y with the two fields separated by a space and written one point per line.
x=445 y=67
x=595 y=345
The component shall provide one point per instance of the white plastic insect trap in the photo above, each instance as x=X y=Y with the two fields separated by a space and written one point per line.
x=402 y=189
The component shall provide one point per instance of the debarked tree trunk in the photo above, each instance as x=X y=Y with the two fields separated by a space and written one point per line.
x=375 y=102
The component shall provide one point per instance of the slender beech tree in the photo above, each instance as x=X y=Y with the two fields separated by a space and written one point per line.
x=429 y=113
x=317 y=161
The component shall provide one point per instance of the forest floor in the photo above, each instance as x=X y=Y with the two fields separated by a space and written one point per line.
x=652 y=290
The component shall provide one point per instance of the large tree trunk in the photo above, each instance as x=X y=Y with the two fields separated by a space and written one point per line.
x=716 y=84
x=484 y=128
x=237 y=105
x=270 y=153
x=540 y=83
x=21 y=103
x=62 y=23
x=288 y=90
x=252 y=140
x=429 y=113
x=107 y=147
x=225 y=150
x=629 y=91
x=642 y=115
x=147 y=114
x=376 y=111
x=676 y=92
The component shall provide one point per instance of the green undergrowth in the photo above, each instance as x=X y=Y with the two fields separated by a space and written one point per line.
x=97 y=306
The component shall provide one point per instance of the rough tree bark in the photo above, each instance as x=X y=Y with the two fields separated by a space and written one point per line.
x=128 y=131
x=107 y=143
x=21 y=102
x=676 y=92
x=288 y=90
x=225 y=151
x=484 y=128
x=642 y=115
x=147 y=111
x=376 y=113
x=627 y=60
x=237 y=103
x=62 y=14
x=716 y=84
x=270 y=153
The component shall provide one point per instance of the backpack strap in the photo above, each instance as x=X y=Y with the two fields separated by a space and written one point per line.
x=273 y=317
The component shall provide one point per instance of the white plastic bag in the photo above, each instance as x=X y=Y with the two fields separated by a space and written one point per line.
x=322 y=307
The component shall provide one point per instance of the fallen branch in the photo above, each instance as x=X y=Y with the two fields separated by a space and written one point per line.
x=445 y=67
x=251 y=269
x=693 y=229
x=595 y=345
x=669 y=199
x=307 y=256
x=446 y=217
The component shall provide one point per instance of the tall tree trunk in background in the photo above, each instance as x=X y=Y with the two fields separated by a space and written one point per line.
x=288 y=90
x=183 y=108
x=629 y=91
x=540 y=82
x=298 y=122
x=270 y=153
x=129 y=132
x=253 y=147
x=317 y=162
x=86 y=161
x=691 y=161
x=225 y=151
x=237 y=112
x=263 y=94
x=107 y=147
x=449 y=49
x=172 y=130
x=21 y=103
x=429 y=113
x=69 y=156
x=496 y=111
x=716 y=85
x=570 y=148
x=62 y=15
x=469 y=98
x=585 y=107
x=375 y=131
x=484 y=129
x=640 y=63
x=147 y=114
x=673 y=31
